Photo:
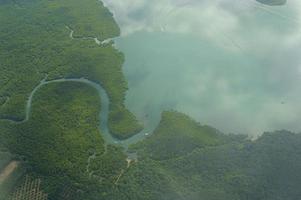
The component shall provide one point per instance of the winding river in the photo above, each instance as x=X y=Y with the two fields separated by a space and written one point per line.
x=105 y=103
x=104 y=112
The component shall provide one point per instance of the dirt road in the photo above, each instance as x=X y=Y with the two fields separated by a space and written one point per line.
x=8 y=170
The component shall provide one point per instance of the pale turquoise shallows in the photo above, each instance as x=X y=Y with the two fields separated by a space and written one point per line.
x=234 y=65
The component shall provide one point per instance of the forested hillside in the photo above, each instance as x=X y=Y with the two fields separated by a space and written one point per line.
x=59 y=146
x=184 y=160
x=36 y=44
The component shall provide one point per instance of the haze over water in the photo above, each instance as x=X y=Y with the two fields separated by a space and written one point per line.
x=231 y=64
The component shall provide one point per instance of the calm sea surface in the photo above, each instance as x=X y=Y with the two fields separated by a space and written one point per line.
x=232 y=64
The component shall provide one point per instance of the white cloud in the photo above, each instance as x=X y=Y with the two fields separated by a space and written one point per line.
x=226 y=22
x=269 y=39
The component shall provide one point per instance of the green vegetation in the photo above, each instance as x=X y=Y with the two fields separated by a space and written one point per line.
x=61 y=143
x=58 y=140
x=30 y=189
x=192 y=161
x=176 y=135
x=234 y=168
x=35 y=42
x=8 y=184
x=5 y=158
x=60 y=135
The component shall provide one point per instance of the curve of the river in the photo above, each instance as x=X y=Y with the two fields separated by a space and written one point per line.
x=104 y=112
x=105 y=103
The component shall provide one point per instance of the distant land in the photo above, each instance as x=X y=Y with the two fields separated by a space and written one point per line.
x=273 y=2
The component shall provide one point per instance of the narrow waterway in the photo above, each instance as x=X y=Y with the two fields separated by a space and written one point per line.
x=104 y=112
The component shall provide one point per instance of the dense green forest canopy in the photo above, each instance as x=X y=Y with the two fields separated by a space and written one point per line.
x=35 y=44
x=176 y=162
x=231 y=167
x=61 y=143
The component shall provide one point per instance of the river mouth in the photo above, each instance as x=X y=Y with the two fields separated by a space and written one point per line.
x=233 y=65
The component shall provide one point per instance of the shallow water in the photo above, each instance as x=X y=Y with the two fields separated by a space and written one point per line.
x=234 y=64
